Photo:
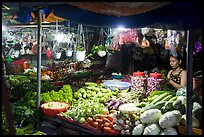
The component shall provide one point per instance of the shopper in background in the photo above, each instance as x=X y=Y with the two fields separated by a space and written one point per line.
x=177 y=76
x=197 y=83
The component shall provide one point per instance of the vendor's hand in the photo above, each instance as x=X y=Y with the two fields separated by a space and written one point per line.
x=167 y=80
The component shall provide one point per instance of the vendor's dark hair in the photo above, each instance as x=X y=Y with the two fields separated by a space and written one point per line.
x=177 y=55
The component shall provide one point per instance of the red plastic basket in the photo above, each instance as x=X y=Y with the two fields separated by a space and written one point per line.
x=54 y=112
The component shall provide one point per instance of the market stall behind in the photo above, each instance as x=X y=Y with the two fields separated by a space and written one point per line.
x=185 y=17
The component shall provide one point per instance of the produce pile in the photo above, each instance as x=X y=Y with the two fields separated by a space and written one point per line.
x=113 y=112
x=20 y=85
x=95 y=92
x=162 y=111
x=24 y=109
x=122 y=112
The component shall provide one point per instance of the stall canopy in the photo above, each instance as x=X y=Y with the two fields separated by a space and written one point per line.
x=170 y=15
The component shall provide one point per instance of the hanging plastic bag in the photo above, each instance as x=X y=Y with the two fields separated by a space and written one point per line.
x=49 y=53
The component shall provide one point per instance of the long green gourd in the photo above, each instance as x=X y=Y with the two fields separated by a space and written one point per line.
x=160 y=98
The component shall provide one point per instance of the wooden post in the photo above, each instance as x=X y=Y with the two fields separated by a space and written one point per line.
x=189 y=66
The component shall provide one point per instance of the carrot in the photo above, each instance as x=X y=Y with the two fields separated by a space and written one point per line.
x=95 y=124
x=99 y=121
x=89 y=120
x=101 y=126
x=110 y=118
x=105 y=120
x=110 y=130
x=111 y=124
x=106 y=129
x=106 y=124
x=102 y=116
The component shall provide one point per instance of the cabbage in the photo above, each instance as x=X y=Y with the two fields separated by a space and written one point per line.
x=152 y=129
x=170 y=119
x=181 y=91
x=150 y=116
x=169 y=131
x=137 y=130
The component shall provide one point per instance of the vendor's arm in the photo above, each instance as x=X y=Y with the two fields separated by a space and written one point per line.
x=183 y=81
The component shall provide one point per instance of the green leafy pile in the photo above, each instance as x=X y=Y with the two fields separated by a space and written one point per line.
x=63 y=95
x=19 y=85
x=23 y=114
x=4 y=123
x=25 y=110
x=28 y=130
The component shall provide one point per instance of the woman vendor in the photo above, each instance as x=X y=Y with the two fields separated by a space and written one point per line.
x=177 y=76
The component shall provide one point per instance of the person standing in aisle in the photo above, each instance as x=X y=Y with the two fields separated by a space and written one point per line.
x=177 y=76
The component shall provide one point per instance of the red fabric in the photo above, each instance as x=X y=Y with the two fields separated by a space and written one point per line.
x=130 y=36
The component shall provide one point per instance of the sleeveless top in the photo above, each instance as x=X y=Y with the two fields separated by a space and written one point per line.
x=176 y=78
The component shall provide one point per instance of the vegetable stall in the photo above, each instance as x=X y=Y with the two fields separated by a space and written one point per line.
x=100 y=93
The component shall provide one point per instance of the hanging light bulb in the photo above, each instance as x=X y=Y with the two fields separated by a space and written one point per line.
x=59 y=37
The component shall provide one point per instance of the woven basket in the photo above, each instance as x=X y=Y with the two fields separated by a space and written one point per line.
x=182 y=130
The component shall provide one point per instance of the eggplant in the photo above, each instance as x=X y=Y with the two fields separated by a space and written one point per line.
x=107 y=102
x=111 y=103
x=116 y=105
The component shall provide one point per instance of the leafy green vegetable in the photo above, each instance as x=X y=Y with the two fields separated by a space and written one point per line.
x=4 y=123
x=64 y=95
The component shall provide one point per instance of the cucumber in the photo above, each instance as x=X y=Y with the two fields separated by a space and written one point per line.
x=158 y=92
x=147 y=107
x=164 y=109
x=167 y=98
x=173 y=98
x=159 y=104
x=150 y=99
x=168 y=105
x=182 y=109
x=141 y=104
x=91 y=84
x=159 y=98
x=177 y=103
